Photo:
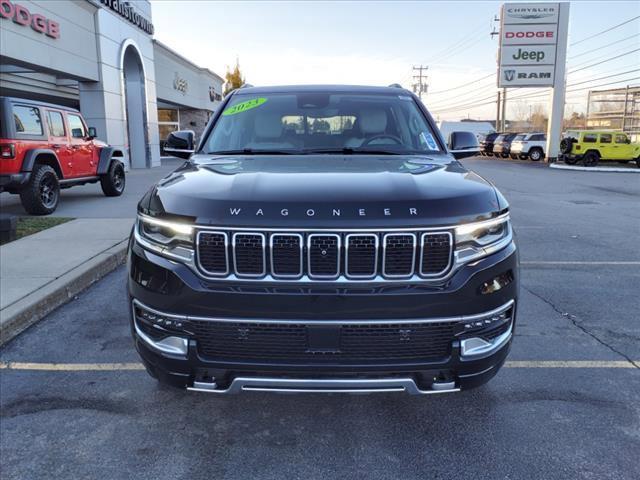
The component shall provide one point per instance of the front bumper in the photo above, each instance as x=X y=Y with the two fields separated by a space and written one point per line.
x=169 y=288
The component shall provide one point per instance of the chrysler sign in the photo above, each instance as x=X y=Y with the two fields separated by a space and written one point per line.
x=531 y=13
x=528 y=42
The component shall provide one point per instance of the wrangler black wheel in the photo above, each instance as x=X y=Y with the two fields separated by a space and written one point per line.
x=590 y=159
x=114 y=181
x=41 y=194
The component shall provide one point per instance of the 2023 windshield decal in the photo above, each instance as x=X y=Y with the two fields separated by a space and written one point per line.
x=244 y=106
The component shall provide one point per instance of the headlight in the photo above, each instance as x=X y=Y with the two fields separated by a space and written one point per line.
x=167 y=238
x=479 y=239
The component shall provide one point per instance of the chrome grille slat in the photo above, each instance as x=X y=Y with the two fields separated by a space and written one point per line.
x=377 y=255
x=286 y=250
x=398 y=255
x=323 y=255
x=361 y=255
x=435 y=253
x=249 y=254
x=213 y=252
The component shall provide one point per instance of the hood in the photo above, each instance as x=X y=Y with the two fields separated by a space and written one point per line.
x=324 y=191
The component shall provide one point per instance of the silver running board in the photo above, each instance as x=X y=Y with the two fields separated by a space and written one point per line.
x=312 y=385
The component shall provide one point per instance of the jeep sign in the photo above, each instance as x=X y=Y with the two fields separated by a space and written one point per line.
x=528 y=44
x=529 y=54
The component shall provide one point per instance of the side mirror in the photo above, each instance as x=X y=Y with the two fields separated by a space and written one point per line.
x=92 y=132
x=463 y=144
x=181 y=143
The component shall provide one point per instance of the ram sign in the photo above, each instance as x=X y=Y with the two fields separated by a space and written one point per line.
x=528 y=41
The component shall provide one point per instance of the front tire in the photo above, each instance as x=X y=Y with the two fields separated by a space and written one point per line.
x=536 y=154
x=114 y=181
x=41 y=194
x=590 y=159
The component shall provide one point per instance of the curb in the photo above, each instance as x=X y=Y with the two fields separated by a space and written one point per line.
x=29 y=310
x=561 y=166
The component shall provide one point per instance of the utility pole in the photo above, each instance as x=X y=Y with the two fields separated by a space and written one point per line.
x=498 y=121
x=420 y=86
x=504 y=109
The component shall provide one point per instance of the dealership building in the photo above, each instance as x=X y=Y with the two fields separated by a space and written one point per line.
x=100 y=56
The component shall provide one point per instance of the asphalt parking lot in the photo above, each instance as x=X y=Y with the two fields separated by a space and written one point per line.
x=565 y=406
x=87 y=201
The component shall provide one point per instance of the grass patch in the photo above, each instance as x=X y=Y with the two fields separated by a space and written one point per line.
x=26 y=226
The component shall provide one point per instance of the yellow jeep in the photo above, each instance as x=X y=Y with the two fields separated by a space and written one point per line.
x=591 y=146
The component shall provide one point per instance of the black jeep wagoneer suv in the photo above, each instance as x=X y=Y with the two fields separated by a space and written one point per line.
x=324 y=239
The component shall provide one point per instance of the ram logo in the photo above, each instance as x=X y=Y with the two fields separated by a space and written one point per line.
x=509 y=75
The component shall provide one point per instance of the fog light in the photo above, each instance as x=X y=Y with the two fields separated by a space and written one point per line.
x=496 y=283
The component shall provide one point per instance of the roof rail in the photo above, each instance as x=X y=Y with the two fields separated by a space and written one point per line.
x=395 y=85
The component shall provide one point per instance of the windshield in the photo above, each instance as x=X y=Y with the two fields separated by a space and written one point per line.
x=321 y=123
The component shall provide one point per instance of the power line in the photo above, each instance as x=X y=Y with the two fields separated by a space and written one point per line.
x=581 y=89
x=471 y=107
x=461 y=48
x=605 y=55
x=605 y=77
x=603 y=61
x=463 y=85
x=457 y=98
x=604 y=46
x=464 y=104
x=482 y=103
x=605 y=31
x=456 y=43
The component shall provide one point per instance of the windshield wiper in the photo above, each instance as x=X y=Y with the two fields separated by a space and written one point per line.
x=251 y=151
x=352 y=151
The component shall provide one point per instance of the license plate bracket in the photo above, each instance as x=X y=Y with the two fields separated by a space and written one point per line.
x=323 y=338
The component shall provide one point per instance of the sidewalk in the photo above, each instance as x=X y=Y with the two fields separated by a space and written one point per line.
x=40 y=272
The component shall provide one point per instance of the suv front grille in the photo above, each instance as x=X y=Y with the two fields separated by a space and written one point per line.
x=289 y=342
x=325 y=256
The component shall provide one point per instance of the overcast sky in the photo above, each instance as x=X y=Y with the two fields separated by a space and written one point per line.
x=377 y=43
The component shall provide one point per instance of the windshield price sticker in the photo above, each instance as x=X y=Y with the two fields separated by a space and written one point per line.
x=244 y=106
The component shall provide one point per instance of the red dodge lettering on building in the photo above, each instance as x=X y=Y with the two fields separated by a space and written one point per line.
x=22 y=16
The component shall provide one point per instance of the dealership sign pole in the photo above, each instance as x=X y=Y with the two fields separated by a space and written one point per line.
x=533 y=53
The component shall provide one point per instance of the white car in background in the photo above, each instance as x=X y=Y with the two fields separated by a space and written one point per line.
x=529 y=145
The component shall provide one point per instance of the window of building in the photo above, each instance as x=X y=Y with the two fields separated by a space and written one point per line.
x=56 y=124
x=621 y=138
x=590 y=138
x=76 y=126
x=168 y=121
x=27 y=120
x=167 y=115
x=605 y=138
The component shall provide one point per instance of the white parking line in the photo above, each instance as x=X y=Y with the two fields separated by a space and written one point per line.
x=71 y=367
x=563 y=262
x=116 y=367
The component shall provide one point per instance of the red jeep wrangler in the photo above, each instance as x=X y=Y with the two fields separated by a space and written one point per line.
x=45 y=147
